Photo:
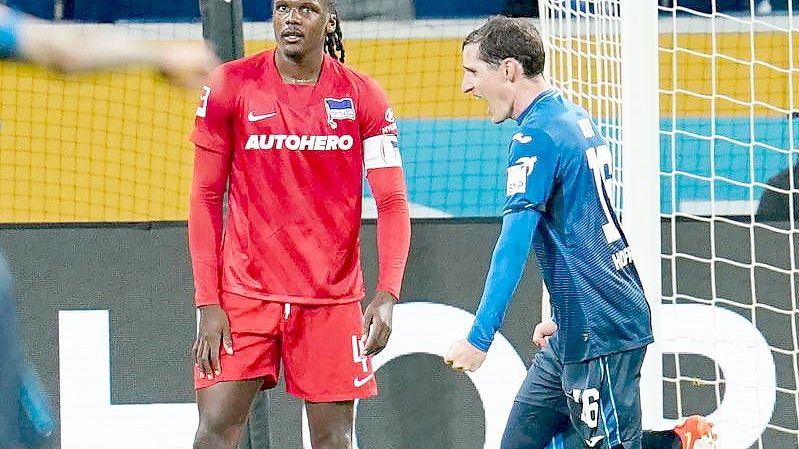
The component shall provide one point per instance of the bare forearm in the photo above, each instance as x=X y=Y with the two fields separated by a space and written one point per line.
x=71 y=51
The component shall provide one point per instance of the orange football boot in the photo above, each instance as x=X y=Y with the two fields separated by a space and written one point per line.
x=696 y=432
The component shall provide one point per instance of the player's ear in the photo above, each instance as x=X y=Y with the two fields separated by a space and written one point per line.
x=510 y=68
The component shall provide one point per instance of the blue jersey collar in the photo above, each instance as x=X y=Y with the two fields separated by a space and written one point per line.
x=526 y=112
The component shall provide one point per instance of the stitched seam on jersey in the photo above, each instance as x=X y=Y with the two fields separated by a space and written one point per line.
x=547 y=95
x=604 y=415
x=515 y=210
x=617 y=433
x=557 y=442
x=536 y=101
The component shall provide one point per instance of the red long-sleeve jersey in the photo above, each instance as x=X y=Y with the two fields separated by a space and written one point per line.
x=293 y=157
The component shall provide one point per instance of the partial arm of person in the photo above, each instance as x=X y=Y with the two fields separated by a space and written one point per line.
x=393 y=243
x=212 y=137
x=70 y=51
x=507 y=266
x=11 y=363
x=383 y=164
x=211 y=170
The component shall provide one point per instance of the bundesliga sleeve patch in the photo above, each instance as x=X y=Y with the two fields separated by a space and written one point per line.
x=381 y=151
x=202 y=106
x=518 y=173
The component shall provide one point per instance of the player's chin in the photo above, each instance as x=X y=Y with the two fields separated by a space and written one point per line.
x=498 y=115
x=293 y=49
x=494 y=116
x=497 y=118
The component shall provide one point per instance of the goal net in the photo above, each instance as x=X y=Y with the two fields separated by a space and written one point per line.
x=96 y=147
x=726 y=319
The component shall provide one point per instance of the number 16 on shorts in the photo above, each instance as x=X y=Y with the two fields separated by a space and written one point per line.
x=588 y=401
x=585 y=407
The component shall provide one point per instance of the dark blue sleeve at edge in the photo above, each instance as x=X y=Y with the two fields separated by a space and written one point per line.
x=507 y=265
x=9 y=25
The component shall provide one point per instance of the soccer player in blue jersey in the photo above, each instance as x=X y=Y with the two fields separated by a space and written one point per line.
x=24 y=38
x=585 y=381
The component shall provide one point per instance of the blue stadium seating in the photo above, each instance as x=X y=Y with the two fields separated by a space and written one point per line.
x=105 y=11
x=442 y=9
x=132 y=10
x=39 y=8
x=188 y=10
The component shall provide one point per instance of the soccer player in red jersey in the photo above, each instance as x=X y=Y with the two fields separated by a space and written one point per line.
x=291 y=131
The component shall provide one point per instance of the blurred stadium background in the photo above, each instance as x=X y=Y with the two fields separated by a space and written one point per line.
x=95 y=172
x=114 y=147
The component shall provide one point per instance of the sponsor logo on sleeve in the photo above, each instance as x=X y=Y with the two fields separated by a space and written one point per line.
x=391 y=128
x=518 y=173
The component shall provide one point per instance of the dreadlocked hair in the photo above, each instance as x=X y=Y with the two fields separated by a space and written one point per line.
x=334 y=43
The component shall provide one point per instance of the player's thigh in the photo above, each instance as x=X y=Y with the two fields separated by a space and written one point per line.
x=255 y=328
x=323 y=354
x=540 y=410
x=543 y=384
x=226 y=404
x=532 y=426
x=604 y=399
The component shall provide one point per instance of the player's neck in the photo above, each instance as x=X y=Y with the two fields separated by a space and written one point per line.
x=299 y=70
x=526 y=92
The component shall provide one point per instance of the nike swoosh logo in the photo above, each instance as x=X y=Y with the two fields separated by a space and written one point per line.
x=521 y=138
x=361 y=382
x=591 y=442
x=254 y=118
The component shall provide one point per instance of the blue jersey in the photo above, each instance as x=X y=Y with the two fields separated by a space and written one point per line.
x=560 y=166
x=8 y=32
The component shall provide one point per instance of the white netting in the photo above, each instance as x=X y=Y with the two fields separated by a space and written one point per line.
x=584 y=63
x=727 y=157
x=104 y=146
x=727 y=151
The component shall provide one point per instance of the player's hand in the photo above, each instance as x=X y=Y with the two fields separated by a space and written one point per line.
x=377 y=322
x=462 y=356
x=186 y=65
x=543 y=331
x=213 y=332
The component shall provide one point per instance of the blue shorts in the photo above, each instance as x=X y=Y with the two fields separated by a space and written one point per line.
x=599 y=397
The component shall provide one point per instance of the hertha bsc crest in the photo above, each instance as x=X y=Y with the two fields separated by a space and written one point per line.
x=339 y=109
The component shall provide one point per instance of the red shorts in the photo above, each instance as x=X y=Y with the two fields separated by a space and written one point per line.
x=319 y=346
